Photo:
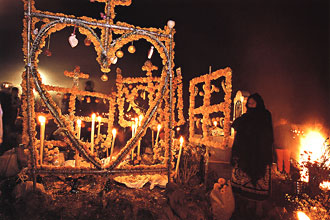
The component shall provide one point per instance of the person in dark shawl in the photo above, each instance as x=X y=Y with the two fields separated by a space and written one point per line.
x=252 y=151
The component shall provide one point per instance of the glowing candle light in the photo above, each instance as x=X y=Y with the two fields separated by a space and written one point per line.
x=178 y=162
x=302 y=216
x=133 y=129
x=215 y=123
x=139 y=144
x=157 y=135
x=42 y=121
x=99 y=128
x=78 y=129
x=114 y=131
x=92 y=132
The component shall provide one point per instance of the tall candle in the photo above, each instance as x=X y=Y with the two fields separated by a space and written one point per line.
x=114 y=131
x=78 y=129
x=139 y=144
x=42 y=121
x=179 y=157
x=92 y=132
x=99 y=128
x=133 y=129
x=157 y=135
x=133 y=133
x=152 y=138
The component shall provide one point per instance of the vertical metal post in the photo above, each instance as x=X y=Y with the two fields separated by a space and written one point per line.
x=28 y=88
x=170 y=109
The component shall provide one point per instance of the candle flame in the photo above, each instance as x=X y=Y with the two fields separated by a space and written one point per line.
x=42 y=119
x=302 y=216
x=79 y=122
x=181 y=140
x=159 y=126
x=93 y=116
x=114 y=131
x=215 y=123
x=140 y=119
x=99 y=118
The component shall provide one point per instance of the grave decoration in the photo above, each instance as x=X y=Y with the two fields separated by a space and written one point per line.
x=71 y=154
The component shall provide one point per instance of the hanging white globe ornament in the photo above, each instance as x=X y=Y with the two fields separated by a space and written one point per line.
x=73 y=40
x=151 y=51
x=171 y=24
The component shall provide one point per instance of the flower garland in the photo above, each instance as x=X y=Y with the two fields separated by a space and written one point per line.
x=162 y=35
x=206 y=109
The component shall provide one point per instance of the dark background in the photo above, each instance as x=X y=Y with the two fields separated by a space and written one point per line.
x=279 y=49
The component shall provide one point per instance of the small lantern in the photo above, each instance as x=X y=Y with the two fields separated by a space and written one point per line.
x=119 y=54
x=87 y=42
x=104 y=77
x=47 y=52
x=131 y=49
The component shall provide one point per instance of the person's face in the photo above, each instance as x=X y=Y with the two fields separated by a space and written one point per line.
x=252 y=103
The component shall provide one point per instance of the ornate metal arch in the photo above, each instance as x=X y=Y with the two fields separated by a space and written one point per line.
x=31 y=71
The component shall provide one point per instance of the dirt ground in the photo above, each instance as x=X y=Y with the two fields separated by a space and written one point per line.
x=68 y=198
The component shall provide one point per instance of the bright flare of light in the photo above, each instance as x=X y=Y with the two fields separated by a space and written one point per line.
x=159 y=127
x=302 y=216
x=114 y=132
x=325 y=185
x=215 y=123
x=45 y=78
x=42 y=119
x=313 y=142
x=79 y=122
x=181 y=140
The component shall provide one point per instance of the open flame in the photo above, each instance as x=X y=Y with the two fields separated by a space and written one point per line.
x=312 y=147
x=325 y=185
x=302 y=216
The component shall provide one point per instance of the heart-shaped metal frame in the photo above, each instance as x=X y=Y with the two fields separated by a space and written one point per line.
x=31 y=73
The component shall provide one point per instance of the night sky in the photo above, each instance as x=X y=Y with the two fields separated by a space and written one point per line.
x=279 y=49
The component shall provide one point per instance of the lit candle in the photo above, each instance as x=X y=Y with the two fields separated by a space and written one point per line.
x=99 y=128
x=139 y=144
x=92 y=132
x=133 y=129
x=114 y=131
x=78 y=130
x=157 y=135
x=178 y=162
x=42 y=121
x=215 y=123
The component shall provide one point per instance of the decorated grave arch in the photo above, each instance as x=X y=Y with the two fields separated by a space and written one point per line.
x=161 y=94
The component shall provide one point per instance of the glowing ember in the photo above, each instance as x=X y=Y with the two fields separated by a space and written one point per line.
x=311 y=149
x=325 y=185
x=302 y=216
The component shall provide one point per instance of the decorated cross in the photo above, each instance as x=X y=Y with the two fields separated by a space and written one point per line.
x=76 y=75
x=148 y=67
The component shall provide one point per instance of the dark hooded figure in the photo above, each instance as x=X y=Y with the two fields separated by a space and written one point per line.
x=252 y=150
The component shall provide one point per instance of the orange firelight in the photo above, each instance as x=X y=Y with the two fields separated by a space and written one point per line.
x=312 y=142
